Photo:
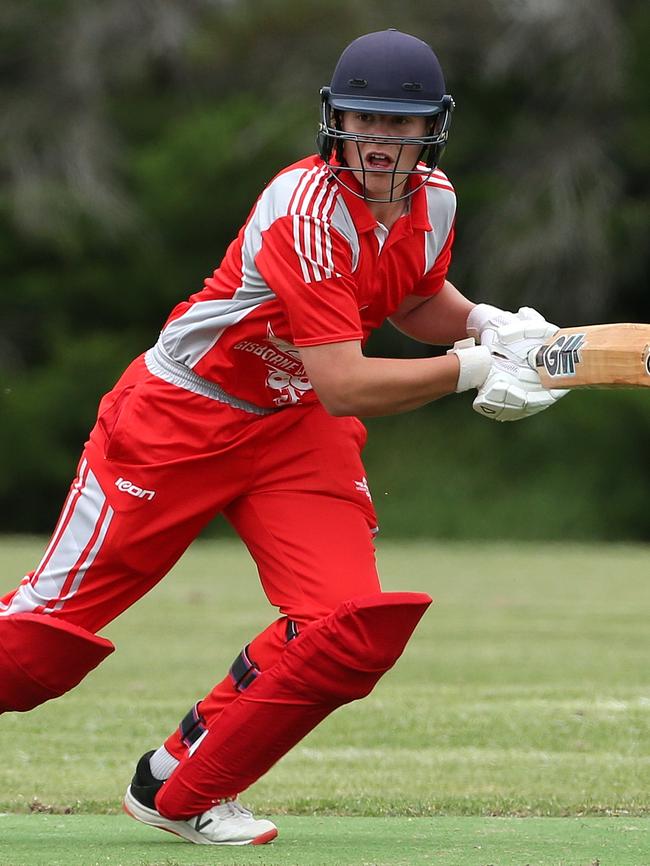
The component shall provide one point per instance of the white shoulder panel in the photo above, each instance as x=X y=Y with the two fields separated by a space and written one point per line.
x=344 y=224
x=303 y=193
x=309 y=193
x=441 y=201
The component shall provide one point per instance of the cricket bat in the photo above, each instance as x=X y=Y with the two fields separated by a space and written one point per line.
x=595 y=356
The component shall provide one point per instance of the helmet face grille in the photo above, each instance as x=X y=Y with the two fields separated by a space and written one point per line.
x=388 y=73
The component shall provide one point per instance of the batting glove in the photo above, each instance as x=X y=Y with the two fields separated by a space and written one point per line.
x=516 y=340
x=485 y=317
x=511 y=335
x=475 y=362
x=513 y=391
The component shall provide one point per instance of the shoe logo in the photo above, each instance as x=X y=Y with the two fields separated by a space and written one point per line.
x=133 y=489
x=201 y=825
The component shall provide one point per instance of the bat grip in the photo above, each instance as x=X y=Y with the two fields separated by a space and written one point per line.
x=532 y=356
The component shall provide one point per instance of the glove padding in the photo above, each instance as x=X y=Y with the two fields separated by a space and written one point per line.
x=484 y=317
x=515 y=340
x=513 y=391
x=511 y=335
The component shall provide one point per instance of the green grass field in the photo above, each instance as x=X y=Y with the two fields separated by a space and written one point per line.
x=514 y=730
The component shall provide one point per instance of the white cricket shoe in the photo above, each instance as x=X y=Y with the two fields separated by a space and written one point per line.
x=229 y=823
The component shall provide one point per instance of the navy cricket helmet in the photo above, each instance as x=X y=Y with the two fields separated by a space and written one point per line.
x=387 y=72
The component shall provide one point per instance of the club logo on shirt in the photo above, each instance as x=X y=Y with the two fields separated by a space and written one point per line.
x=290 y=388
x=285 y=373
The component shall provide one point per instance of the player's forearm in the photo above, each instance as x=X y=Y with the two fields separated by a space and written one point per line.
x=439 y=320
x=387 y=386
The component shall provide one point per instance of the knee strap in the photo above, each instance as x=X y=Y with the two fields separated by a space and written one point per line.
x=192 y=727
x=243 y=671
x=292 y=630
x=42 y=658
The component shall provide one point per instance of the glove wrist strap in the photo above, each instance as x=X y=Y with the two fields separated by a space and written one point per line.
x=474 y=361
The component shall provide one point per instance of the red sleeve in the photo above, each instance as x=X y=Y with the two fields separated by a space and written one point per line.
x=433 y=281
x=308 y=265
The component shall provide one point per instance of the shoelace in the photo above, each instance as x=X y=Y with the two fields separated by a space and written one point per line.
x=231 y=809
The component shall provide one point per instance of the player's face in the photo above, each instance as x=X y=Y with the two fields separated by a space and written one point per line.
x=381 y=159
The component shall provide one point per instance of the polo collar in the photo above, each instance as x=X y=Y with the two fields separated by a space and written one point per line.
x=362 y=216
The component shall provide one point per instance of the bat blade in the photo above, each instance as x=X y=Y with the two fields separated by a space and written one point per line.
x=596 y=356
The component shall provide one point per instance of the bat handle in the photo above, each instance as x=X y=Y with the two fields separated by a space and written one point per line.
x=533 y=355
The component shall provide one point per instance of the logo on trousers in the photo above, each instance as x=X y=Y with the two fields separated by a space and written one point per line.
x=362 y=487
x=133 y=489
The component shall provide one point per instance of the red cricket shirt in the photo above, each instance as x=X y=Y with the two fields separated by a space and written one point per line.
x=310 y=266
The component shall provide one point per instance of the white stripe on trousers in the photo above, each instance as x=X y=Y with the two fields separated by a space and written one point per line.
x=76 y=541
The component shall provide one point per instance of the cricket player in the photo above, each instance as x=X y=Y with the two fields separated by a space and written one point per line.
x=249 y=405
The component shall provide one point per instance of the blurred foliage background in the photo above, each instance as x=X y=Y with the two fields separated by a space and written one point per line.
x=136 y=134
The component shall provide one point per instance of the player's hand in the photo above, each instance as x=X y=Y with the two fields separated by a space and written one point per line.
x=484 y=318
x=513 y=391
x=511 y=335
x=516 y=340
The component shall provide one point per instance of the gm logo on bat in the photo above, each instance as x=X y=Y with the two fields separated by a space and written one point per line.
x=563 y=355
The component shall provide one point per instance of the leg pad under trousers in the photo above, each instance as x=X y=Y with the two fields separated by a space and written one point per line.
x=42 y=658
x=334 y=660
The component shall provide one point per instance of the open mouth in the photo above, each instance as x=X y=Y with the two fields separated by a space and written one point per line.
x=378 y=161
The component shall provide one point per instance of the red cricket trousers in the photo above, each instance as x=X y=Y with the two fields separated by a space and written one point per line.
x=160 y=463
